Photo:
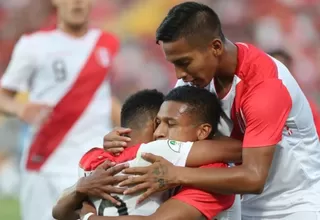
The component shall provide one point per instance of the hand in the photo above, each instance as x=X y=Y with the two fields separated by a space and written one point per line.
x=87 y=208
x=157 y=177
x=115 y=141
x=34 y=114
x=101 y=182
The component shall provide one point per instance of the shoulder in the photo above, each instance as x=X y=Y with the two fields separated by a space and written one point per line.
x=254 y=64
x=110 y=40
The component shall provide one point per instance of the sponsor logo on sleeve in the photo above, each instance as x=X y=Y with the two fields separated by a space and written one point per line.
x=174 y=145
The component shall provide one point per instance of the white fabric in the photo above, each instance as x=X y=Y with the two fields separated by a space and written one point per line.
x=293 y=184
x=174 y=151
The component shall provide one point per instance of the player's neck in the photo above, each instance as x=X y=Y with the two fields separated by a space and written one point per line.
x=75 y=32
x=228 y=65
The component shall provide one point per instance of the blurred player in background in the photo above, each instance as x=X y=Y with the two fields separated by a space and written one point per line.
x=70 y=106
x=287 y=60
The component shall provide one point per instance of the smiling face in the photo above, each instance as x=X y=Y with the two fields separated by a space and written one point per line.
x=74 y=13
x=194 y=64
x=177 y=121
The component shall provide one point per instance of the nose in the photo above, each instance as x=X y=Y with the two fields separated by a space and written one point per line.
x=160 y=132
x=180 y=73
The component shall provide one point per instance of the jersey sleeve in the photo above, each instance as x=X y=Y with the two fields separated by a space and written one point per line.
x=210 y=205
x=22 y=65
x=174 y=151
x=265 y=111
x=91 y=160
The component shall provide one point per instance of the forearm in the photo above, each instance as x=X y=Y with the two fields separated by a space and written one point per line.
x=224 y=150
x=66 y=207
x=9 y=105
x=127 y=217
x=233 y=180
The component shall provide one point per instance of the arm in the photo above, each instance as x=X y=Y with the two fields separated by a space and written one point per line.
x=98 y=184
x=8 y=104
x=170 y=210
x=16 y=77
x=222 y=149
x=188 y=203
x=115 y=111
x=265 y=112
x=68 y=203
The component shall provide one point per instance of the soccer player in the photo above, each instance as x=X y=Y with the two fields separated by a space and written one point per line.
x=287 y=60
x=264 y=107
x=66 y=72
x=193 y=122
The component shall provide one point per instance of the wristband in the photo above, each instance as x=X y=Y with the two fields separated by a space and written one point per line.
x=87 y=216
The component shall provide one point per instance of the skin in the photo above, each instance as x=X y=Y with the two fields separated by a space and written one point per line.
x=174 y=121
x=198 y=66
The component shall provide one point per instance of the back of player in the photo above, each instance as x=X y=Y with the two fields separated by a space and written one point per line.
x=174 y=151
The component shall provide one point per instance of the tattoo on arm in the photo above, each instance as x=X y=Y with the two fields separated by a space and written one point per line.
x=159 y=172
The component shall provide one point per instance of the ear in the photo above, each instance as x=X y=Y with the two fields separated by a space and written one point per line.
x=216 y=47
x=204 y=131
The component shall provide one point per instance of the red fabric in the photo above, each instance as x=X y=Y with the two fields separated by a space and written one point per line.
x=210 y=205
x=96 y=156
x=70 y=108
x=260 y=118
x=316 y=117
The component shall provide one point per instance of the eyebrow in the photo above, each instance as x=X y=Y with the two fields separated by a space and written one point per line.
x=166 y=118
x=180 y=59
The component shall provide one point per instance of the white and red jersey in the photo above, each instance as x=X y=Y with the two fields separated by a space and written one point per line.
x=175 y=152
x=71 y=75
x=266 y=107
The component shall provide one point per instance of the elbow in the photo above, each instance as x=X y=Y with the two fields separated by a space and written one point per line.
x=55 y=213
x=254 y=183
x=256 y=188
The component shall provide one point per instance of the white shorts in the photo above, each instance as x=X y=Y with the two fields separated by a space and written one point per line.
x=293 y=216
x=39 y=193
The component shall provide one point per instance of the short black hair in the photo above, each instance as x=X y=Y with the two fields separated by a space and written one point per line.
x=188 y=20
x=140 y=107
x=203 y=103
x=281 y=53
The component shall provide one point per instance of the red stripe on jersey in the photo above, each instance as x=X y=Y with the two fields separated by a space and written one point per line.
x=96 y=156
x=69 y=109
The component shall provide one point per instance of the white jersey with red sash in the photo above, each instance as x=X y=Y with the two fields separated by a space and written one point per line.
x=71 y=75
x=266 y=107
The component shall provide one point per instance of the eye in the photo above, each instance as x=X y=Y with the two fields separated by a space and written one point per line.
x=157 y=122
x=171 y=123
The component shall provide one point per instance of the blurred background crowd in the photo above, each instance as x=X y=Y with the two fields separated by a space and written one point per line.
x=293 y=25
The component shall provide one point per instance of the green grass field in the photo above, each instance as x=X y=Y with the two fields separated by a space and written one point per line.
x=9 y=209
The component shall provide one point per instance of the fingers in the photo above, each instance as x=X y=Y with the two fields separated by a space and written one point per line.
x=117 y=138
x=116 y=151
x=113 y=189
x=151 y=157
x=132 y=180
x=106 y=165
x=136 y=188
x=117 y=169
x=118 y=179
x=122 y=131
x=136 y=170
x=111 y=199
x=144 y=196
